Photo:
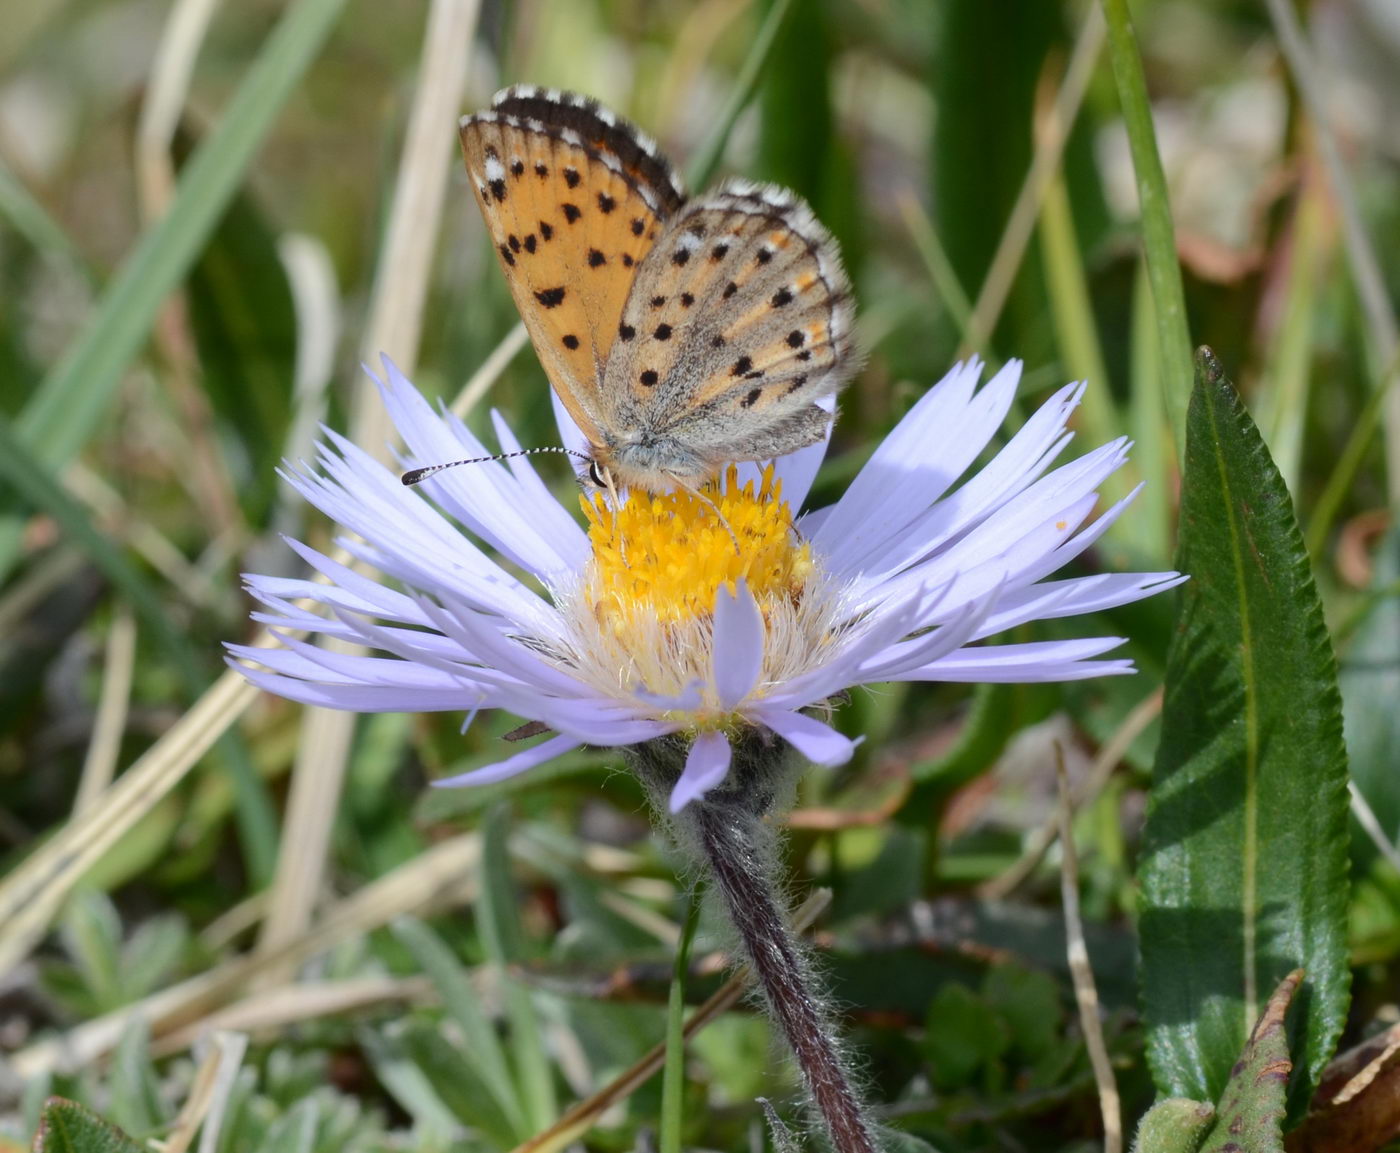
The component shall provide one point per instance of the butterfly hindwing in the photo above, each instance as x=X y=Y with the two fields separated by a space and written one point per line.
x=574 y=199
x=739 y=319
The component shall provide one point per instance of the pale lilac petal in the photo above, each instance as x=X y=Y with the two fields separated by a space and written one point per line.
x=738 y=645
x=484 y=497
x=905 y=472
x=706 y=765
x=523 y=761
x=1050 y=600
x=819 y=743
x=1024 y=663
x=570 y=435
x=360 y=698
x=1025 y=457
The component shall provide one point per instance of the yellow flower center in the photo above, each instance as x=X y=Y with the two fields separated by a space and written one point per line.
x=664 y=557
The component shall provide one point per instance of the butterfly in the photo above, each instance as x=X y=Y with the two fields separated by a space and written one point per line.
x=681 y=335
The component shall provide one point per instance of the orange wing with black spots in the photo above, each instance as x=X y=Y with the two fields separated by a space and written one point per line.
x=574 y=198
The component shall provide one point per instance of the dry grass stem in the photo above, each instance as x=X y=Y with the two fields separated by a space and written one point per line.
x=271 y=1011
x=209 y=1095
x=113 y=703
x=1108 y=759
x=1082 y=973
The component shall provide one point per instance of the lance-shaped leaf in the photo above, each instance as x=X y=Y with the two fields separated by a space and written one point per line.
x=1245 y=871
x=1251 y=1111
x=67 y=1127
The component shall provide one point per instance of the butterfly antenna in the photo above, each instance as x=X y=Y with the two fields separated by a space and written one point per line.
x=417 y=475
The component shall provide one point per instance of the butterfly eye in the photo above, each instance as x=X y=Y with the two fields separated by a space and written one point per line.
x=597 y=474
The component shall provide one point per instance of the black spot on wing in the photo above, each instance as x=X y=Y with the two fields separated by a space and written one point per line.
x=649 y=378
x=606 y=203
x=571 y=342
x=741 y=366
x=571 y=212
x=550 y=297
x=596 y=259
x=571 y=177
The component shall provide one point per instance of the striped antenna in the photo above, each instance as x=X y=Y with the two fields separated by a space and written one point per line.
x=415 y=475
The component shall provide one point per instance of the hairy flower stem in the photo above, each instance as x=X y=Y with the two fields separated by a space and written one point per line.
x=726 y=834
x=738 y=874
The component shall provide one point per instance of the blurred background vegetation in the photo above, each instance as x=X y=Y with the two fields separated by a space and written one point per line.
x=198 y=245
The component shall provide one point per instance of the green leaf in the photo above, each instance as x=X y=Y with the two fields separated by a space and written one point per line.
x=963 y=1035
x=481 y=1048
x=1251 y=1111
x=1245 y=870
x=67 y=1127
x=68 y=406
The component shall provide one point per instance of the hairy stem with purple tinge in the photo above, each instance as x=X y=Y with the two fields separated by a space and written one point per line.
x=739 y=876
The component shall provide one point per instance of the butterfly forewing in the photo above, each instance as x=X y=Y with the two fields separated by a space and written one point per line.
x=740 y=318
x=573 y=199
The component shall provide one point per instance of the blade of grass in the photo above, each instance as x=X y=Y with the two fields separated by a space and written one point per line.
x=1284 y=406
x=673 y=1074
x=1361 y=253
x=1051 y=136
x=702 y=168
x=1340 y=480
x=32 y=221
x=499 y=925
x=941 y=272
x=481 y=1048
x=68 y=406
x=1158 y=232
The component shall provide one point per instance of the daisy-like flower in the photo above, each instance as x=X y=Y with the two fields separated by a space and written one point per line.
x=659 y=618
